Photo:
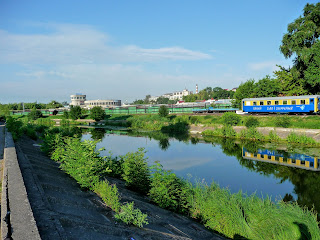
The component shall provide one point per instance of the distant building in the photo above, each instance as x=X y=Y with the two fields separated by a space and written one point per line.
x=78 y=99
x=102 y=103
x=173 y=96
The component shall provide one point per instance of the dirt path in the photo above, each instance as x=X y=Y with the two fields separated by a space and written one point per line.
x=63 y=211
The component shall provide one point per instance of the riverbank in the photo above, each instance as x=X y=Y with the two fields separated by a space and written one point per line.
x=283 y=133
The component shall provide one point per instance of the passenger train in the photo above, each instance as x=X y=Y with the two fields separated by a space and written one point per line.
x=295 y=104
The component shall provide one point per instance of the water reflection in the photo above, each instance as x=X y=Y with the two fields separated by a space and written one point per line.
x=283 y=158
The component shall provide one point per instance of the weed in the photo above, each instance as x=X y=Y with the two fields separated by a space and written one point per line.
x=129 y=215
x=109 y=194
x=284 y=122
x=251 y=122
x=136 y=172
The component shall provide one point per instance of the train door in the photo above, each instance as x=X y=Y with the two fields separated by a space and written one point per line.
x=312 y=104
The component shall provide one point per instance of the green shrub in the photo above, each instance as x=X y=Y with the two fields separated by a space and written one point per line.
x=163 y=111
x=97 y=113
x=303 y=139
x=75 y=112
x=129 y=215
x=251 y=122
x=169 y=191
x=109 y=194
x=230 y=118
x=273 y=136
x=34 y=114
x=136 y=172
x=81 y=161
x=65 y=114
x=284 y=122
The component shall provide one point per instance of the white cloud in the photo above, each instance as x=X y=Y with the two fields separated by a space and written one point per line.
x=266 y=65
x=74 y=44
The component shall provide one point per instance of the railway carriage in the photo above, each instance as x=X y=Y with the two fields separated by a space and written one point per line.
x=294 y=104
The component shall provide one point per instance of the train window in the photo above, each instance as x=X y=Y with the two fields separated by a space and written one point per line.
x=254 y=103
x=285 y=159
x=262 y=156
x=276 y=102
x=293 y=102
x=248 y=103
x=311 y=164
x=302 y=101
x=303 y=162
x=269 y=157
x=261 y=103
x=255 y=155
x=285 y=102
x=293 y=161
x=276 y=158
x=268 y=102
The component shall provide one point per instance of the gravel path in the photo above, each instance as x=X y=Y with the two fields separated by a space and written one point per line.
x=63 y=211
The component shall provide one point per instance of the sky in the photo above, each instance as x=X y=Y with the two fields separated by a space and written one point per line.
x=125 y=49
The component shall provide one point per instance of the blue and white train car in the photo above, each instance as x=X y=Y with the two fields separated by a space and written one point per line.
x=294 y=104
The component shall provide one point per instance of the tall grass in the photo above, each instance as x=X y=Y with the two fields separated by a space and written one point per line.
x=238 y=215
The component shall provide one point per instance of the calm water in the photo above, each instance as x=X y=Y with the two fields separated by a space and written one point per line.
x=294 y=174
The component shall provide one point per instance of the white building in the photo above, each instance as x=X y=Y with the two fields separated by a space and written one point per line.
x=78 y=99
x=173 y=96
x=102 y=103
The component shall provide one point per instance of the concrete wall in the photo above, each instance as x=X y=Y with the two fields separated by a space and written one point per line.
x=17 y=220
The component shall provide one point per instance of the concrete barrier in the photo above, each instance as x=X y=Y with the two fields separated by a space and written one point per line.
x=17 y=220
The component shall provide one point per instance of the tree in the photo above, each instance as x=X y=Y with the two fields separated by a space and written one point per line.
x=34 y=114
x=162 y=100
x=266 y=87
x=302 y=41
x=97 y=113
x=163 y=111
x=54 y=104
x=245 y=90
x=75 y=112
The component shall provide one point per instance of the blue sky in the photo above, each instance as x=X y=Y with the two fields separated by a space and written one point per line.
x=128 y=49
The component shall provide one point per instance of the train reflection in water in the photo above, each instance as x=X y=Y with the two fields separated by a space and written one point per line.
x=283 y=158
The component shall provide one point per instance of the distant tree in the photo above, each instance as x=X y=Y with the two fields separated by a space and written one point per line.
x=162 y=100
x=34 y=114
x=266 y=87
x=140 y=101
x=245 y=90
x=66 y=114
x=163 y=111
x=97 y=113
x=147 y=99
x=75 y=112
x=54 y=104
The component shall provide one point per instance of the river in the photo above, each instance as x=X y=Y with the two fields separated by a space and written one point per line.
x=283 y=172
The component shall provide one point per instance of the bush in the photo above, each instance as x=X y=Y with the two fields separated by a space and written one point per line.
x=136 y=172
x=75 y=112
x=284 y=122
x=97 y=113
x=34 y=114
x=169 y=191
x=65 y=114
x=251 y=122
x=81 y=161
x=230 y=118
x=129 y=215
x=109 y=194
x=163 y=111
